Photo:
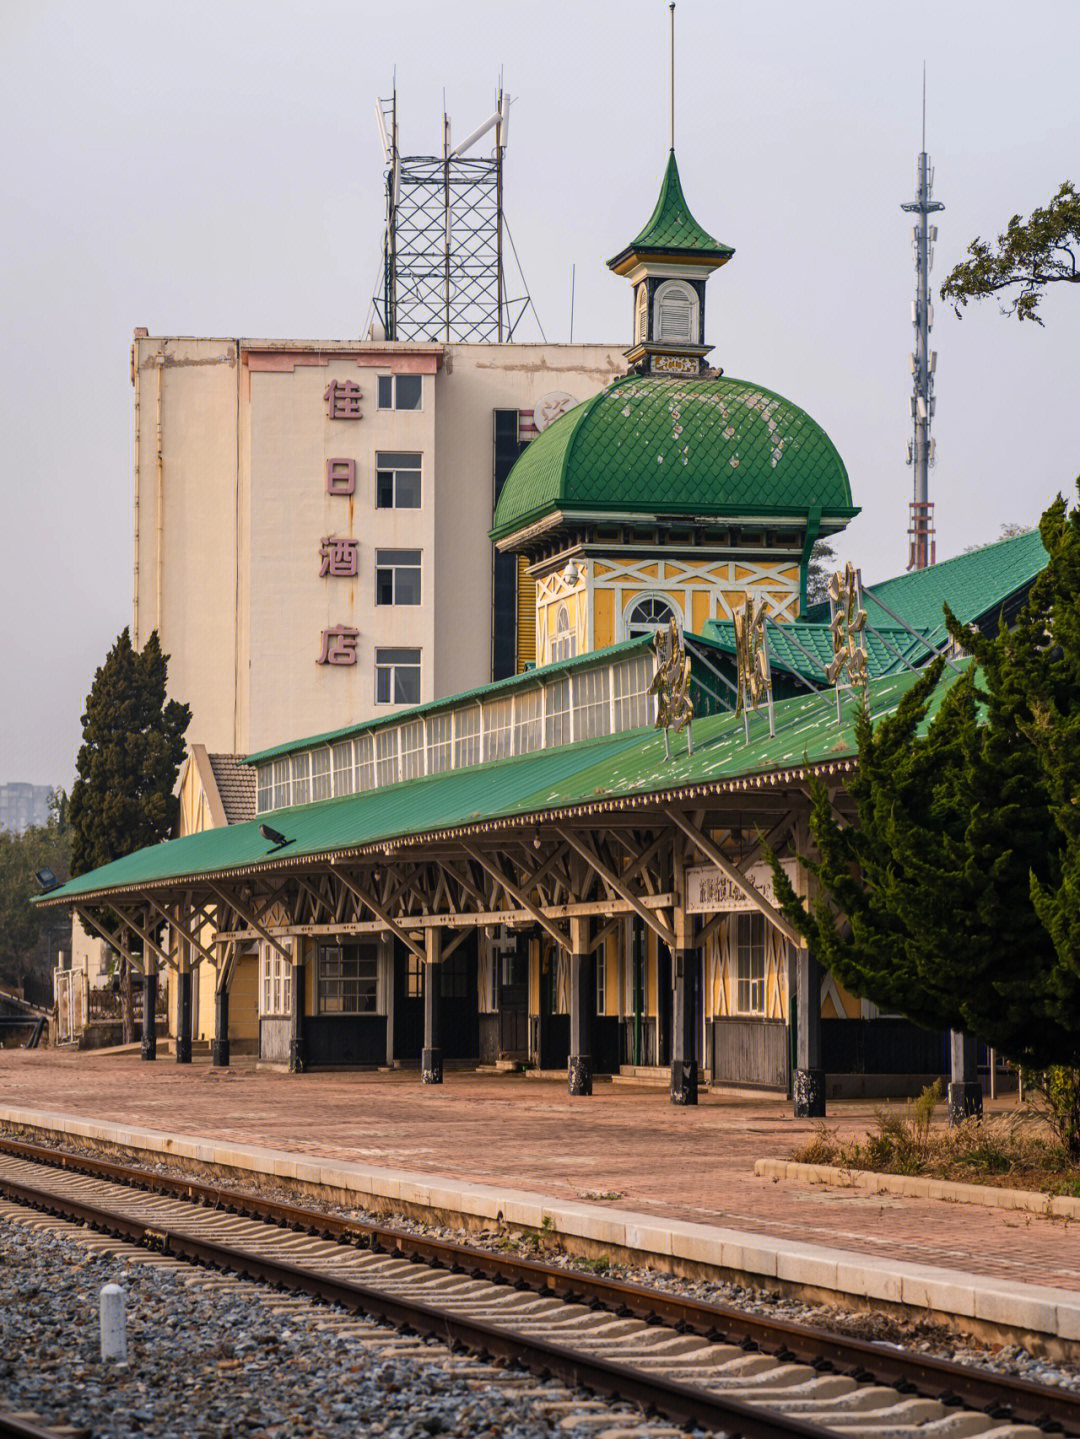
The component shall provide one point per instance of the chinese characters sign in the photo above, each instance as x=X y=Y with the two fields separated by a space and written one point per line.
x=342 y=400
x=338 y=646
x=340 y=477
x=339 y=558
x=710 y=891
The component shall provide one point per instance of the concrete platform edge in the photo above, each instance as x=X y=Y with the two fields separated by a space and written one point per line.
x=1030 y=1201
x=1027 y=1309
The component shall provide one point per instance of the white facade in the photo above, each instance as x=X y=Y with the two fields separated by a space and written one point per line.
x=232 y=504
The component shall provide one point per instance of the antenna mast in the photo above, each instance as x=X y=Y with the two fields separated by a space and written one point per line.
x=922 y=548
x=444 y=276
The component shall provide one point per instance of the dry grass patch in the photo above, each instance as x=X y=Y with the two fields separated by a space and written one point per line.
x=1018 y=1151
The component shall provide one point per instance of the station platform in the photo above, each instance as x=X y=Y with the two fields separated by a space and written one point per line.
x=624 y=1169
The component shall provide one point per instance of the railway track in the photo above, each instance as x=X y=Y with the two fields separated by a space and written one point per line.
x=711 y=1366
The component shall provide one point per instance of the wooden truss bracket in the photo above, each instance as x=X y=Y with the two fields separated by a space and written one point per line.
x=615 y=883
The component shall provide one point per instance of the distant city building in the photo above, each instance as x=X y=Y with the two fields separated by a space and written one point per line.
x=23 y=805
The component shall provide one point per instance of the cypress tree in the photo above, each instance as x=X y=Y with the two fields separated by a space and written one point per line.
x=955 y=898
x=133 y=746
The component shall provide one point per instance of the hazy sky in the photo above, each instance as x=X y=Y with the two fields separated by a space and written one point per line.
x=215 y=169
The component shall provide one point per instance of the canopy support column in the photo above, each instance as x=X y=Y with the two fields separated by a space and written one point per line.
x=582 y=1008
x=808 y=1080
x=431 y=1065
x=183 y=1015
x=297 y=1058
x=149 y=1006
x=965 y=1091
x=687 y=999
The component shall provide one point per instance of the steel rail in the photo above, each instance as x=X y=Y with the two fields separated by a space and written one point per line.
x=680 y=1402
x=12 y=1423
x=909 y=1372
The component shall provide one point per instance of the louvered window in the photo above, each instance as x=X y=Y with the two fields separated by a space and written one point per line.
x=676 y=313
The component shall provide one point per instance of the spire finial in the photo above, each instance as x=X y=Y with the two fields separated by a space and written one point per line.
x=671 y=7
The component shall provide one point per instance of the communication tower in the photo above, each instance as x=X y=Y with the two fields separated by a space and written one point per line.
x=443 y=273
x=922 y=548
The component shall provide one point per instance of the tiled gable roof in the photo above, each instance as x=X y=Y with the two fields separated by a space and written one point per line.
x=236 y=786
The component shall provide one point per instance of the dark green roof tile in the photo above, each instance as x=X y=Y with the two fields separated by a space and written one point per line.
x=710 y=447
x=671 y=227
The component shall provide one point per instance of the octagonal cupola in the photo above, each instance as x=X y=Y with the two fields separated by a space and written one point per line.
x=668 y=264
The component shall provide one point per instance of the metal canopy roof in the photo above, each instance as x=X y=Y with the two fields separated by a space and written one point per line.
x=616 y=772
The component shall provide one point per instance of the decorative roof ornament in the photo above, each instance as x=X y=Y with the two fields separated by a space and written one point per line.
x=671 y=686
x=752 y=661
x=848 y=624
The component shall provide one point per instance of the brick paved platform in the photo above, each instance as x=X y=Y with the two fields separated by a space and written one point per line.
x=630 y=1146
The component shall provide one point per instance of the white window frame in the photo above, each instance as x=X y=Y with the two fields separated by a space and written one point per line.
x=564 y=640
x=675 y=290
x=322 y=979
x=751 y=985
x=644 y=597
x=393 y=666
x=394 y=566
x=275 y=985
x=396 y=470
x=405 y=409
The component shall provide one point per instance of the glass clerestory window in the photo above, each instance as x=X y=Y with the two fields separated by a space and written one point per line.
x=397 y=481
x=589 y=702
x=397 y=577
x=401 y=392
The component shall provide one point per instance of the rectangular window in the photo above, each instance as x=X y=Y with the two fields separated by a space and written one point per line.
x=467 y=737
x=455 y=977
x=557 y=728
x=750 y=969
x=438 y=742
x=412 y=750
x=592 y=715
x=401 y=392
x=386 y=755
x=276 y=984
x=301 y=778
x=397 y=677
x=528 y=721
x=498 y=728
x=397 y=577
x=344 y=777
x=320 y=773
x=630 y=681
x=347 y=979
x=365 y=762
x=601 y=979
x=264 y=788
x=282 y=783
x=415 y=988
x=397 y=481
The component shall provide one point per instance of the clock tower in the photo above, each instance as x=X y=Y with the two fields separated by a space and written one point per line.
x=667 y=265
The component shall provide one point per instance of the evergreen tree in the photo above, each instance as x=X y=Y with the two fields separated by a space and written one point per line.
x=133 y=746
x=967 y=837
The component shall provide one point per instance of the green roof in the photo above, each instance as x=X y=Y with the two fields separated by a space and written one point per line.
x=785 y=639
x=671 y=227
x=694 y=447
x=976 y=585
x=617 y=767
x=496 y=688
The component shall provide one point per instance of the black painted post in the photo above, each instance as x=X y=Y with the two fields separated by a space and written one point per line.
x=431 y=1065
x=965 y=1091
x=684 y=1069
x=149 y=1009
x=297 y=1058
x=665 y=1004
x=221 y=1028
x=183 y=1017
x=582 y=1008
x=808 y=1080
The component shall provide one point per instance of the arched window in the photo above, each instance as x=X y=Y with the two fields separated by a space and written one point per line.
x=642 y=314
x=649 y=613
x=676 y=313
x=564 y=645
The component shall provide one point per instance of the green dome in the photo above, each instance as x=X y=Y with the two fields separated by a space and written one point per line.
x=678 y=447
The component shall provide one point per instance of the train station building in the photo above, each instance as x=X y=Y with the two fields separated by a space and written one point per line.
x=445 y=801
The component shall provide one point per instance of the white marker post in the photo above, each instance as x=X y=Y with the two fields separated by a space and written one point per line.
x=113 y=1323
